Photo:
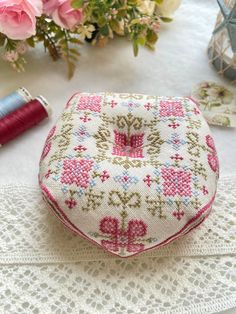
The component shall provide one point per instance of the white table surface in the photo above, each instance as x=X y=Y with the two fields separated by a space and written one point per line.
x=179 y=62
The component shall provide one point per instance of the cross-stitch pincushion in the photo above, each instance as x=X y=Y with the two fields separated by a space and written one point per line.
x=129 y=172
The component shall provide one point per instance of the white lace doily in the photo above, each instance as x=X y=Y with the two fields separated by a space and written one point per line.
x=46 y=269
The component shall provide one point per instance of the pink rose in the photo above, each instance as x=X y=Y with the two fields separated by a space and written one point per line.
x=49 y=6
x=62 y=13
x=18 y=18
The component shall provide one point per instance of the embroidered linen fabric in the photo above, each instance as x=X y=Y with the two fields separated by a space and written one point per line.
x=129 y=172
x=46 y=269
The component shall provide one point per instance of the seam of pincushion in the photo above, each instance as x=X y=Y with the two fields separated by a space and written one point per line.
x=192 y=223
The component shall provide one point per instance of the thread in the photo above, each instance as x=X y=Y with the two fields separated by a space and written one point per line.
x=23 y=119
x=14 y=101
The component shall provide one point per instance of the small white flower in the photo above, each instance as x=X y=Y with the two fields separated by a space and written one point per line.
x=11 y=56
x=21 y=47
x=120 y=28
x=168 y=7
x=86 y=30
x=147 y=7
x=156 y=26
x=145 y=20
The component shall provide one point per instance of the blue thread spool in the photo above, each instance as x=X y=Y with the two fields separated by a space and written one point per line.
x=14 y=101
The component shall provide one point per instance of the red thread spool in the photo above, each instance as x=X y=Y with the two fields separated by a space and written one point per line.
x=23 y=119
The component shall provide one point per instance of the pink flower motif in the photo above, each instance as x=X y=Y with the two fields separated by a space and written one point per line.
x=213 y=161
x=174 y=125
x=212 y=157
x=104 y=176
x=113 y=104
x=51 y=133
x=85 y=119
x=119 y=238
x=178 y=214
x=196 y=111
x=49 y=6
x=18 y=18
x=47 y=146
x=11 y=56
x=80 y=148
x=62 y=13
x=21 y=47
x=46 y=150
x=177 y=157
x=148 y=106
x=128 y=147
x=47 y=175
x=176 y=182
x=171 y=108
x=71 y=203
x=210 y=143
x=204 y=190
x=92 y=103
x=76 y=171
x=148 y=180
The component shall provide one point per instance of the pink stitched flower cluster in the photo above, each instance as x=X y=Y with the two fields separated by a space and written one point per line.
x=18 y=17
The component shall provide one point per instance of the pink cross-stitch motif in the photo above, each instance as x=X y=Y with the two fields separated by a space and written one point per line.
x=176 y=182
x=76 y=171
x=196 y=111
x=80 y=148
x=71 y=203
x=212 y=157
x=46 y=150
x=113 y=104
x=104 y=176
x=92 y=103
x=178 y=214
x=131 y=147
x=148 y=106
x=148 y=180
x=213 y=161
x=171 y=108
x=48 y=144
x=119 y=238
x=210 y=142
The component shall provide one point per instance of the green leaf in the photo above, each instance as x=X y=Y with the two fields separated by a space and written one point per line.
x=141 y=41
x=102 y=21
x=76 y=41
x=132 y=2
x=166 y=19
x=122 y=13
x=135 y=48
x=2 y=40
x=104 y=30
x=114 y=24
x=74 y=51
x=151 y=37
x=30 y=42
x=135 y=21
x=70 y=69
x=77 y=4
x=159 y=1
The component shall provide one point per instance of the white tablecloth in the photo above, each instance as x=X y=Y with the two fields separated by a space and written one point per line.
x=179 y=62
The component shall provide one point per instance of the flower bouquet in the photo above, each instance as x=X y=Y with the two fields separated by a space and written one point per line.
x=62 y=25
